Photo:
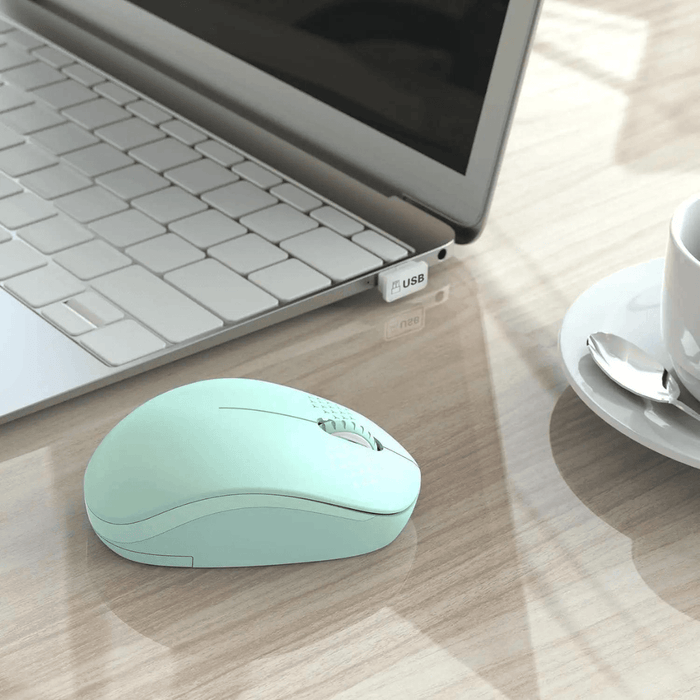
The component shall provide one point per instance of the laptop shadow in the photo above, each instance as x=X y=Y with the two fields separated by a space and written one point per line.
x=443 y=607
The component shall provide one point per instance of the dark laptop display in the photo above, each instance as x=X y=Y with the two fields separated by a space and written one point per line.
x=416 y=71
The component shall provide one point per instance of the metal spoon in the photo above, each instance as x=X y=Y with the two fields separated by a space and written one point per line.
x=631 y=368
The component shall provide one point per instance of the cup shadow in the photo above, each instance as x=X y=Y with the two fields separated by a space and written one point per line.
x=653 y=500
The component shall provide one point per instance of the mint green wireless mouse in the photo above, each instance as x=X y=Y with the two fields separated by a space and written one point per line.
x=241 y=472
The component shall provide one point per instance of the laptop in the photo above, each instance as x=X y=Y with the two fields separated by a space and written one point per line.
x=176 y=175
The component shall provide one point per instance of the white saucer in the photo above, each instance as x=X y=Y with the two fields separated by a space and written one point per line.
x=627 y=303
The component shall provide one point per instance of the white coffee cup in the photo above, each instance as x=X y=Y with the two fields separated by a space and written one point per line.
x=680 y=295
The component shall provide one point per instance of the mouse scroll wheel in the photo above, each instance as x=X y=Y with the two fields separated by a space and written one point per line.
x=349 y=430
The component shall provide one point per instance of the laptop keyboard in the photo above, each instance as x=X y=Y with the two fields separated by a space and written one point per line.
x=133 y=230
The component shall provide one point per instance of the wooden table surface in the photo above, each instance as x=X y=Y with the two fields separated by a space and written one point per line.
x=548 y=557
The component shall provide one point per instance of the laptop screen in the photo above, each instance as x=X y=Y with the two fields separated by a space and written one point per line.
x=415 y=70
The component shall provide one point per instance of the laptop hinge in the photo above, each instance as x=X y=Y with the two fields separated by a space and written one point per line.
x=463 y=234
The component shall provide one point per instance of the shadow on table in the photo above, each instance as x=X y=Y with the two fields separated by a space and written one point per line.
x=450 y=586
x=443 y=605
x=653 y=500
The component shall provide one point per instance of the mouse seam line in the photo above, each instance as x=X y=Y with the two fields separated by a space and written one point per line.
x=228 y=495
x=398 y=454
x=260 y=410
x=120 y=545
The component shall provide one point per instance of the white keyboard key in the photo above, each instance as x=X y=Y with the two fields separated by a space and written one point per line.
x=247 y=253
x=127 y=228
x=8 y=186
x=290 y=280
x=64 y=138
x=156 y=304
x=223 y=155
x=8 y=137
x=54 y=234
x=224 y=292
x=165 y=253
x=33 y=76
x=66 y=319
x=24 y=209
x=342 y=223
x=64 y=94
x=95 y=309
x=387 y=250
x=5 y=235
x=296 y=197
x=89 y=204
x=183 y=132
x=5 y=27
x=91 y=259
x=96 y=113
x=239 y=198
x=164 y=155
x=55 y=181
x=83 y=75
x=121 y=343
x=208 y=228
x=116 y=93
x=331 y=254
x=149 y=112
x=11 y=98
x=17 y=257
x=26 y=120
x=54 y=57
x=200 y=176
x=45 y=285
x=97 y=160
x=134 y=181
x=130 y=133
x=278 y=222
x=13 y=56
x=262 y=177
x=169 y=204
x=23 y=159
x=24 y=40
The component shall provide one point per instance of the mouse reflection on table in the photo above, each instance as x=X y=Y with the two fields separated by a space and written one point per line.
x=241 y=472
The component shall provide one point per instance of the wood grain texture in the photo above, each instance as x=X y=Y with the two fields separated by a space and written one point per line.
x=548 y=556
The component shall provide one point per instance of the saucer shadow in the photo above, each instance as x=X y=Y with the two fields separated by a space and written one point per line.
x=653 y=500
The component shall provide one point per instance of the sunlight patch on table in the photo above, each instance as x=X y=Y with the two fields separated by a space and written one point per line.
x=384 y=653
x=591 y=40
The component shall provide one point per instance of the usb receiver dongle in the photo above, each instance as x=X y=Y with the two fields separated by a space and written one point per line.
x=403 y=280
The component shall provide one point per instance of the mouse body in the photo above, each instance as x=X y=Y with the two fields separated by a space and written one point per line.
x=242 y=472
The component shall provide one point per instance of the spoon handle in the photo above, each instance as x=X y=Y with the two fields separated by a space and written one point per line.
x=687 y=409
